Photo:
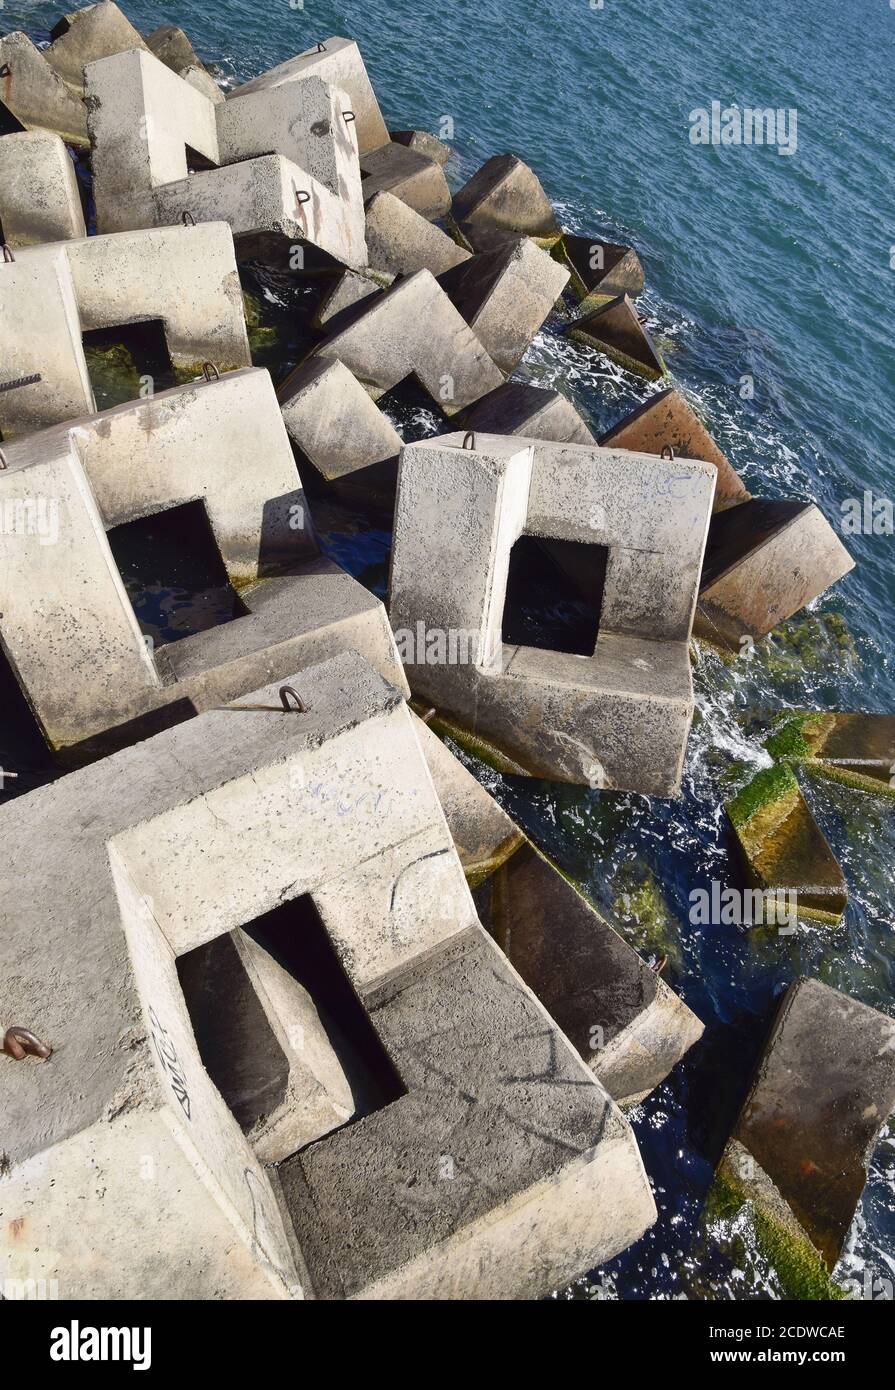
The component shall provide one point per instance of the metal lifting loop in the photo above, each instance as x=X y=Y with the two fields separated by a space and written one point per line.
x=287 y=692
x=321 y=47
x=668 y=452
x=8 y=254
x=208 y=368
x=349 y=116
x=303 y=196
x=187 y=219
x=3 y=464
x=17 y=1041
x=469 y=439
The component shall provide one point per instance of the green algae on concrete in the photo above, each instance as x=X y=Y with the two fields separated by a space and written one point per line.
x=474 y=744
x=644 y=916
x=854 y=749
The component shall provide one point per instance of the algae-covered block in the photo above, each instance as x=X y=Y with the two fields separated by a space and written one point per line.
x=615 y=329
x=797 y=1157
x=600 y=270
x=786 y=853
x=856 y=750
x=505 y=196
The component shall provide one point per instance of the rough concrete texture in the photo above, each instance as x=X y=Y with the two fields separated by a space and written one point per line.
x=333 y=422
x=338 y=62
x=784 y=849
x=764 y=561
x=854 y=749
x=627 y=1024
x=517 y=407
x=417 y=181
x=505 y=296
x=414 y=329
x=667 y=421
x=347 y=290
x=822 y=1091
x=601 y=269
x=506 y=196
x=519 y=1169
x=97 y=31
x=40 y=337
x=225 y=443
x=400 y=241
x=615 y=328
x=172 y=47
x=35 y=95
x=423 y=143
x=39 y=198
x=618 y=717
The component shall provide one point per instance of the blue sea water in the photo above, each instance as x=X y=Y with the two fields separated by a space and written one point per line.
x=758 y=265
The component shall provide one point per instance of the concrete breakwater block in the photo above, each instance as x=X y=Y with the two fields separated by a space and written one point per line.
x=347 y=290
x=505 y=296
x=519 y=1170
x=85 y=35
x=615 y=328
x=408 y=175
x=334 y=424
x=35 y=96
x=504 y=197
x=223 y=442
x=39 y=198
x=666 y=421
x=148 y=126
x=400 y=241
x=854 y=749
x=796 y=1162
x=414 y=329
x=626 y=1023
x=423 y=143
x=601 y=270
x=765 y=559
x=616 y=712
x=518 y=407
x=173 y=48
x=784 y=849
x=338 y=63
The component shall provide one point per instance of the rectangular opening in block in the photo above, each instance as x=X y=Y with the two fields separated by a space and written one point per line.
x=128 y=361
x=554 y=595
x=172 y=570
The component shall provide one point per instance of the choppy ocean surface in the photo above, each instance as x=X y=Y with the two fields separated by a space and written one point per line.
x=781 y=269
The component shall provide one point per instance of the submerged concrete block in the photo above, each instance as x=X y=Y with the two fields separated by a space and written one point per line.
x=400 y=241
x=338 y=62
x=765 y=559
x=517 y=1168
x=505 y=296
x=39 y=198
x=517 y=407
x=796 y=1163
x=34 y=94
x=423 y=143
x=784 y=849
x=506 y=196
x=601 y=269
x=617 y=716
x=616 y=330
x=417 y=181
x=666 y=421
x=86 y=35
x=856 y=749
x=628 y=1026
x=223 y=442
x=334 y=423
x=413 y=329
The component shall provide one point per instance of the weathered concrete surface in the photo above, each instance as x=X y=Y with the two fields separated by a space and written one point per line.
x=601 y=269
x=334 y=423
x=40 y=336
x=413 y=329
x=35 y=95
x=615 y=328
x=173 y=48
x=667 y=421
x=85 y=35
x=519 y=1169
x=505 y=296
x=799 y=1151
x=348 y=290
x=417 y=181
x=506 y=196
x=338 y=62
x=764 y=561
x=400 y=241
x=618 y=717
x=784 y=849
x=854 y=749
x=223 y=442
x=517 y=407
x=423 y=143
x=39 y=198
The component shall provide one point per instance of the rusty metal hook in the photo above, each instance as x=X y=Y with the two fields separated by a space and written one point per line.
x=187 y=218
x=321 y=47
x=285 y=692
x=3 y=464
x=17 y=1041
x=668 y=452
x=207 y=369
x=8 y=255
x=659 y=966
x=349 y=116
x=302 y=196
x=469 y=439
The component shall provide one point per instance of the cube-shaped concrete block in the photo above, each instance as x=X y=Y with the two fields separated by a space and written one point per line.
x=36 y=97
x=333 y=421
x=415 y=180
x=400 y=241
x=518 y=407
x=39 y=198
x=86 y=35
x=505 y=195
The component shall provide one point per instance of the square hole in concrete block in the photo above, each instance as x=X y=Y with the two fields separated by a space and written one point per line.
x=173 y=573
x=127 y=362
x=554 y=595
